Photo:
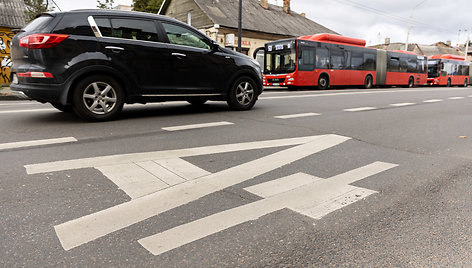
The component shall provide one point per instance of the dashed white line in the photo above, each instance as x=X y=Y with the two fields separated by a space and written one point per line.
x=28 y=111
x=402 y=104
x=456 y=98
x=194 y=126
x=360 y=109
x=432 y=101
x=288 y=116
x=21 y=144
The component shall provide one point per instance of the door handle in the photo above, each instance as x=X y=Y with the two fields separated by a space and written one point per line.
x=179 y=55
x=114 y=48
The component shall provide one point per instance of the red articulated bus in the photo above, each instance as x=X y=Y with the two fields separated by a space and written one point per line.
x=325 y=60
x=448 y=70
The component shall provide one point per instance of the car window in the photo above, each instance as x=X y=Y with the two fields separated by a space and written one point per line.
x=144 y=30
x=182 y=36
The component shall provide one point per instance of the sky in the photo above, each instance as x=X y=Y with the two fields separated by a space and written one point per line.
x=431 y=21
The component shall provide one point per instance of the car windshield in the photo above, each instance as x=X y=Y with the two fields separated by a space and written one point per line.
x=280 y=58
x=433 y=68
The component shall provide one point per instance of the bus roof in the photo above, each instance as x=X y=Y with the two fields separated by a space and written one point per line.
x=448 y=57
x=335 y=39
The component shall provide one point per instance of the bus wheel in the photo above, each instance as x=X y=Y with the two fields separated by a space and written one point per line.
x=448 y=82
x=466 y=83
x=323 y=82
x=411 y=82
x=368 y=82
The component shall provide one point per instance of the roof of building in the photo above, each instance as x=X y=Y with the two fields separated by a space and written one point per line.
x=426 y=50
x=12 y=13
x=256 y=18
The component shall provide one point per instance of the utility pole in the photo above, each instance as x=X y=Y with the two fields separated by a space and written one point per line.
x=467 y=45
x=409 y=26
x=240 y=25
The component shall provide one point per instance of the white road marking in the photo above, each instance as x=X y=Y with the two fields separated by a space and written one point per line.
x=314 y=199
x=456 y=98
x=28 y=111
x=15 y=103
x=152 y=156
x=360 y=109
x=402 y=104
x=194 y=126
x=433 y=100
x=288 y=116
x=88 y=228
x=298 y=95
x=21 y=144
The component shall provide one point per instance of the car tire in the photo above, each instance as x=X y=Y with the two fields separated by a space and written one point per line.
x=62 y=108
x=323 y=82
x=98 y=98
x=242 y=95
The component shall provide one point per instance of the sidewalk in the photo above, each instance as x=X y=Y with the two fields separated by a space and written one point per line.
x=5 y=94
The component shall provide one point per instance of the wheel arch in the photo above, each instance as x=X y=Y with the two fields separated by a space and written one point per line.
x=241 y=73
x=66 y=97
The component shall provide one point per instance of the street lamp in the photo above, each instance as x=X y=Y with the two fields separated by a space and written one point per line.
x=240 y=26
x=409 y=26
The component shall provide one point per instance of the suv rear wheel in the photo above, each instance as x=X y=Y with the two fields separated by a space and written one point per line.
x=242 y=95
x=98 y=98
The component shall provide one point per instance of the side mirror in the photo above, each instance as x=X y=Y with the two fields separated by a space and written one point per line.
x=214 y=46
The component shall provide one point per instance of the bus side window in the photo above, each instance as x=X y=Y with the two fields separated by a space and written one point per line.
x=322 y=58
x=357 y=61
x=369 y=62
x=307 y=59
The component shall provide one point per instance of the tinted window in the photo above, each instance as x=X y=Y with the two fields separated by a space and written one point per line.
x=393 y=64
x=337 y=59
x=369 y=62
x=74 y=24
x=307 y=60
x=144 y=30
x=322 y=58
x=412 y=68
x=38 y=23
x=182 y=36
x=357 y=61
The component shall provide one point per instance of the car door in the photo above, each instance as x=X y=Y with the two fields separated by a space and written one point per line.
x=195 y=66
x=135 y=47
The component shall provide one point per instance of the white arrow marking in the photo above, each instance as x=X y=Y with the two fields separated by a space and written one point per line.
x=313 y=197
x=88 y=228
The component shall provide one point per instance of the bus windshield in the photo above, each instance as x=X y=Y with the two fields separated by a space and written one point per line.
x=280 y=58
x=434 y=68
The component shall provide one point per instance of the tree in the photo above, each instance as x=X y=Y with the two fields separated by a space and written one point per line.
x=150 y=6
x=35 y=8
x=105 y=4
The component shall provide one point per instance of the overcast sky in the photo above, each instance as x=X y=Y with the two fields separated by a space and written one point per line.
x=372 y=20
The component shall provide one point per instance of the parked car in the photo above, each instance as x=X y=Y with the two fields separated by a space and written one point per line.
x=95 y=61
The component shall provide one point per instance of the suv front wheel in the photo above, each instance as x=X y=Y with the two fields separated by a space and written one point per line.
x=98 y=98
x=242 y=95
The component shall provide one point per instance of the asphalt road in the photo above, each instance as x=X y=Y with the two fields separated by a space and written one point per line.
x=347 y=177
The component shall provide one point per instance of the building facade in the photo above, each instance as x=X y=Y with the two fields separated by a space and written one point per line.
x=12 y=16
x=261 y=21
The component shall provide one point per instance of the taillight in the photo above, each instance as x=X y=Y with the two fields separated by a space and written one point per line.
x=36 y=75
x=35 y=41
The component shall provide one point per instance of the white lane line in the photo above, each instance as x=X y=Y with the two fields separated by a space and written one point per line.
x=153 y=156
x=88 y=228
x=432 y=100
x=21 y=144
x=312 y=197
x=288 y=116
x=402 y=104
x=360 y=109
x=15 y=103
x=455 y=98
x=28 y=111
x=194 y=126
x=470 y=96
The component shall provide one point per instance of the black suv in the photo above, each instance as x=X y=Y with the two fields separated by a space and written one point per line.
x=94 y=61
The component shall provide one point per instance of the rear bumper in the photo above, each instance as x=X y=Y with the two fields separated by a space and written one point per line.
x=40 y=92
